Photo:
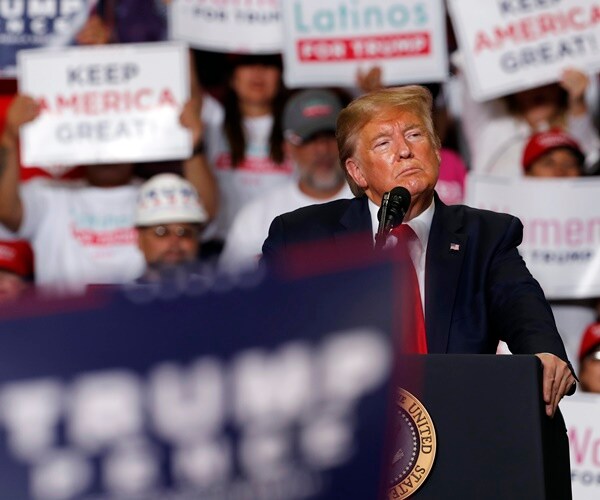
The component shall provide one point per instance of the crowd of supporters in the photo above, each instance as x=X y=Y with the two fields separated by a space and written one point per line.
x=255 y=156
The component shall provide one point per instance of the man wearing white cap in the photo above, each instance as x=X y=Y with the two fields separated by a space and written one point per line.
x=309 y=128
x=169 y=219
x=82 y=231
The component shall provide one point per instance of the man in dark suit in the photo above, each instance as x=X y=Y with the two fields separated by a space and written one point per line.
x=475 y=286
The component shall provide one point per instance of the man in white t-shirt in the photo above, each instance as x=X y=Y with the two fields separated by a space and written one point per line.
x=82 y=231
x=309 y=120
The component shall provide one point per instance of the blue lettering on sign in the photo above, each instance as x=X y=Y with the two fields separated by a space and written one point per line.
x=298 y=18
x=399 y=16
x=324 y=20
x=96 y=221
x=374 y=17
x=420 y=15
x=350 y=16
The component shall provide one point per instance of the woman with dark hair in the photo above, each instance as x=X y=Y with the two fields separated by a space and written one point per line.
x=248 y=96
x=244 y=140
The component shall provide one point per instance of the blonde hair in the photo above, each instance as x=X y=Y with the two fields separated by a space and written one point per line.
x=351 y=120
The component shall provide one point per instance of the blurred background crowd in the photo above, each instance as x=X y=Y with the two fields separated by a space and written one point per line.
x=261 y=149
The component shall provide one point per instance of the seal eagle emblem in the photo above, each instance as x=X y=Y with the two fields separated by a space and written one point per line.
x=414 y=446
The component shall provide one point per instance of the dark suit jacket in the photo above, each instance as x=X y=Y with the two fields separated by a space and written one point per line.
x=476 y=293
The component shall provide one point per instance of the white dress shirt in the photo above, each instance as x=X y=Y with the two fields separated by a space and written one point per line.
x=421 y=225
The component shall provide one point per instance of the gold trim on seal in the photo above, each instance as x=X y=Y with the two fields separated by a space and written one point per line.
x=419 y=423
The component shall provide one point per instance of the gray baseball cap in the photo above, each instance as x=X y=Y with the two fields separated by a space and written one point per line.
x=310 y=112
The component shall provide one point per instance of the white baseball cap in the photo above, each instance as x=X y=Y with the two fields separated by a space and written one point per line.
x=168 y=199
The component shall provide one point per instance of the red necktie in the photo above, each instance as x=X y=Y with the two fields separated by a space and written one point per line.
x=414 y=340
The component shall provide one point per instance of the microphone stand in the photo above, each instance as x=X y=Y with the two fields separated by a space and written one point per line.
x=383 y=229
x=394 y=205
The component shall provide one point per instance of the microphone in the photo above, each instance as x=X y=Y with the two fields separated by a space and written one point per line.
x=394 y=206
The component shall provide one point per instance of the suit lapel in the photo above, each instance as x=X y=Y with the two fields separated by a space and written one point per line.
x=356 y=219
x=445 y=254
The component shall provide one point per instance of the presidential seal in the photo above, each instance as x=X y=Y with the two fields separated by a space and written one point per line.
x=414 y=446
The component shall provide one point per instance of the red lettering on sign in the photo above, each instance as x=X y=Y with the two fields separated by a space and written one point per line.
x=362 y=48
x=534 y=28
x=118 y=101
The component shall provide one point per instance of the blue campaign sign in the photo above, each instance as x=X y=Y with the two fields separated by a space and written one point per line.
x=259 y=390
x=26 y=24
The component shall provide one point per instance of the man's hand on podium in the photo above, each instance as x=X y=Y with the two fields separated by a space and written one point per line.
x=558 y=380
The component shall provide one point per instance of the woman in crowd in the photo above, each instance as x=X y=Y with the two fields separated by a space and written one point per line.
x=244 y=139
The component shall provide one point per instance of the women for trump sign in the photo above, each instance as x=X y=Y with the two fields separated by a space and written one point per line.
x=110 y=104
x=582 y=416
x=511 y=45
x=561 y=228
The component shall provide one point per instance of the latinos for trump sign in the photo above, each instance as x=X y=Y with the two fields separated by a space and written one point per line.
x=110 y=104
x=511 y=45
x=325 y=43
x=561 y=236
x=26 y=24
x=252 y=26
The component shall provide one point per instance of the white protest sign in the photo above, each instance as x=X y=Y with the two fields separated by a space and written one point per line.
x=108 y=104
x=325 y=43
x=511 y=45
x=582 y=416
x=561 y=219
x=247 y=26
x=26 y=24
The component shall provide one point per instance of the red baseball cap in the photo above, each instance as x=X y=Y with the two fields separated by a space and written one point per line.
x=542 y=142
x=590 y=340
x=16 y=257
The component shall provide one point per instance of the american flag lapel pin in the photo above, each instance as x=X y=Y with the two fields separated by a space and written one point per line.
x=454 y=247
